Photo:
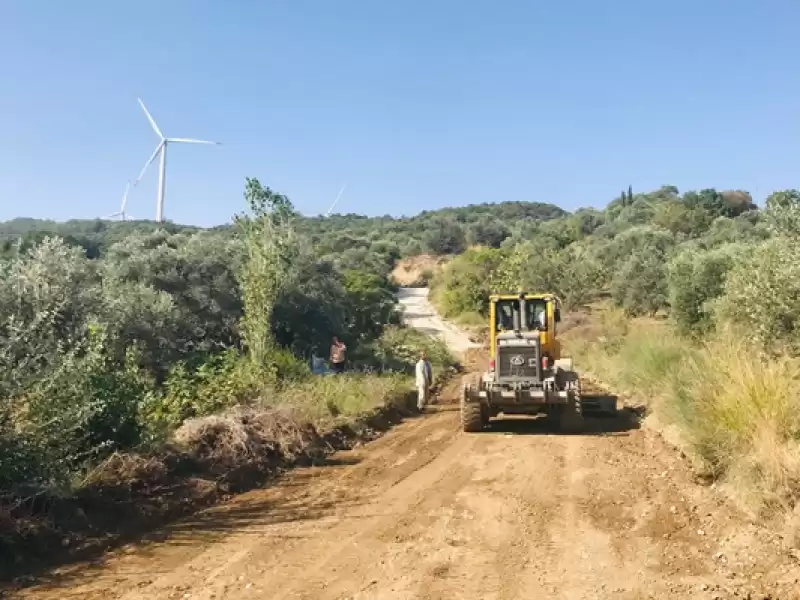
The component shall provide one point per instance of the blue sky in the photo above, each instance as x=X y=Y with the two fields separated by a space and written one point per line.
x=416 y=104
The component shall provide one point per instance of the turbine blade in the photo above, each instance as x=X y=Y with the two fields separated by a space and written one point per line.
x=125 y=198
x=191 y=141
x=335 y=202
x=150 y=118
x=147 y=164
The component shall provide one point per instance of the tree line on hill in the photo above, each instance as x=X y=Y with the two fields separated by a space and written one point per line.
x=353 y=241
x=702 y=257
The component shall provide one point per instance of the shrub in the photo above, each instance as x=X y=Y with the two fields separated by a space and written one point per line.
x=465 y=283
x=783 y=213
x=399 y=348
x=694 y=279
x=762 y=295
x=640 y=284
x=327 y=400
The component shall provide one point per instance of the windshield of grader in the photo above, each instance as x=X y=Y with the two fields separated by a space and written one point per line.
x=535 y=317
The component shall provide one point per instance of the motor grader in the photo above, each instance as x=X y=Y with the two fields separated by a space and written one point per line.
x=527 y=374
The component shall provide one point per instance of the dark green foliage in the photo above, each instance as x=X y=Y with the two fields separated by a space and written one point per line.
x=370 y=304
x=640 y=284
x=111 y=334
x=488 y=232
x=783 y=213
x=446 y=236
x=696 y=277
x=623 y=252
x=464 y=286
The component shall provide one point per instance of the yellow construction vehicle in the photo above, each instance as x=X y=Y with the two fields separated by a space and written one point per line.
x=527 y=374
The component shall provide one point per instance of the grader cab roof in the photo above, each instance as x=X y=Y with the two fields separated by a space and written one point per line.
x=526 y=295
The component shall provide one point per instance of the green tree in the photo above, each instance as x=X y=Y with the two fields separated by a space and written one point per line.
x=270 y=245
x=370 y=304
x=311 y=306
x=445 y=236
x=487 y=232
x=783 y=212
x=573 y=273
x=762 y=295
x=465 y=283
x=695 y=279
x=639 y=286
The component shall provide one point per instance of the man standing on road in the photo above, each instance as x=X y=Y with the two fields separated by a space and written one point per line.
x=424 y=381
x=338 y=350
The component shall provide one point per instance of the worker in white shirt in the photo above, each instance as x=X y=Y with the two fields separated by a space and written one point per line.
x=424 y=381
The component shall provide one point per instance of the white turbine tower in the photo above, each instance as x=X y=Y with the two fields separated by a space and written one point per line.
x=335 y=202
x=162 y=171
x=122 y=214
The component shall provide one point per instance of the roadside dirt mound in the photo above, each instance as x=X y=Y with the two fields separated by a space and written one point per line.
x=417 y=271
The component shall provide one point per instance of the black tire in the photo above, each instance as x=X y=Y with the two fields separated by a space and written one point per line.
x=471 y=414
x=572 y=415
x=553 y=416
x=485 y=416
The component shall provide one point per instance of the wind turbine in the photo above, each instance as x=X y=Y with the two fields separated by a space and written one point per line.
x=122 y=212
x=162 y=149
x=335 y=202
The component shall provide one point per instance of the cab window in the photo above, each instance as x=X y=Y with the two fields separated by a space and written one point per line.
x=504 y=314
x=536 y=317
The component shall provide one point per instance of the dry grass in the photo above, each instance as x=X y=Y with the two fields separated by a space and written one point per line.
x=248 y=436
x=736 y=410
x=328 y=401
x=125 y=470
x=471 y=320
x=741 y=412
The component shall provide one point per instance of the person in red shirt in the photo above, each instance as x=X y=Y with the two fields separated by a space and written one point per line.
x=338 y=355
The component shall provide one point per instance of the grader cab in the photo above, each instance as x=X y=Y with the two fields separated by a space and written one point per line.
x=527 y=374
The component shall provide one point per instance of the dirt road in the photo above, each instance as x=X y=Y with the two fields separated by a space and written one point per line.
x=420 y=314
x=427 y=512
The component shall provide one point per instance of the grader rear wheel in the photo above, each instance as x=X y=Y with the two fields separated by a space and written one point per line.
x=571 y=420
x=472 y=414
x=553 y=416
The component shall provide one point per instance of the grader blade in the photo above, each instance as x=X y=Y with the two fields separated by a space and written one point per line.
x=599 y=406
